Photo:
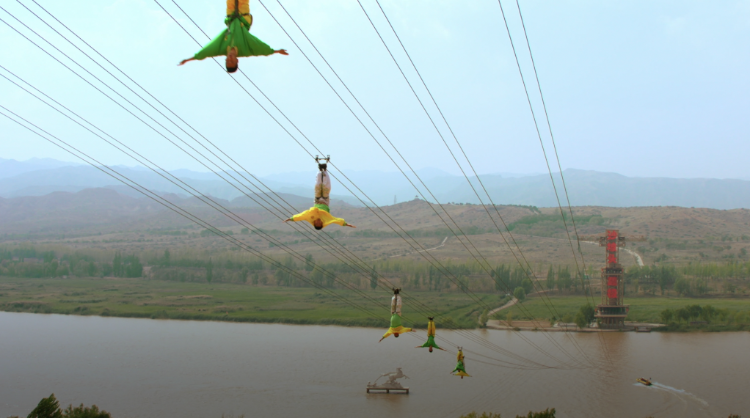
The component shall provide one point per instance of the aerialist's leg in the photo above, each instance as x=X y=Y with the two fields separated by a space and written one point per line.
x=323 y=188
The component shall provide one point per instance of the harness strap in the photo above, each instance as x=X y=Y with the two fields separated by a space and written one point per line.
x=236 y=12
x=237 y=15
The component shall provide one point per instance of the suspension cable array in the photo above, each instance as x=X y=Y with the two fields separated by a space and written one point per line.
x=318 y=150
x=226 y=168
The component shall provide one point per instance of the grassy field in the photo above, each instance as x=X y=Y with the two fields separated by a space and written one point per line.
x=226 y=302
x=642 y=309
x=244 y=303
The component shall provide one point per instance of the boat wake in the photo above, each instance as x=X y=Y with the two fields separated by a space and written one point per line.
x=679 y=392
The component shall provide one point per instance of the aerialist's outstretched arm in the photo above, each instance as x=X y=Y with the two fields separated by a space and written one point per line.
x=292 y=220
x=278 y=51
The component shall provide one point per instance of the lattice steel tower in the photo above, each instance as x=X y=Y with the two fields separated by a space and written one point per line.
x=611 y=312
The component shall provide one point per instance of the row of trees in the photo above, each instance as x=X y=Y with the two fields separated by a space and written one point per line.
x=563 y=280
x=687 y=314
x=190 y=264
x=128 y=266
x=507 y=279
x=651 y=277
x=690 y=280
x=286 y=272
x=707 y=314
x=75 y=264
x=732 y=269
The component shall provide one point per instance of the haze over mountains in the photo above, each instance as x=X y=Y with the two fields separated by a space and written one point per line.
x=38 y=177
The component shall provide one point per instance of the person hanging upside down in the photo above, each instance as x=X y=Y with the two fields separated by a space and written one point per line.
x=430 y=336
x=319 y=215
x=396 y=327
x=235 y=41
x=460 y=369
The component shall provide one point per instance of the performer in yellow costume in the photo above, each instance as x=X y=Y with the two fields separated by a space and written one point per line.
x=236 y=41
x=319 y=215
x=396 y=327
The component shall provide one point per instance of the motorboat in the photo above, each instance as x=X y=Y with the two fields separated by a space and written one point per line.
x=644 y=381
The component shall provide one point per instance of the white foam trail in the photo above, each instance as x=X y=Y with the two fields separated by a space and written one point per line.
x=658 y=386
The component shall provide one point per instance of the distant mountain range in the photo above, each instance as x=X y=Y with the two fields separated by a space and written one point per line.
x=104 y=209
x=38 y=177
x=10 y=168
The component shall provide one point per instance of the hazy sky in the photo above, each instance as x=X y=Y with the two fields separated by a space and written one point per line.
x=640 y=88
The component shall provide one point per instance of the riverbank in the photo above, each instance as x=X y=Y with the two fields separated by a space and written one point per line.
x=547 y=326
x=642 y=309
x=141 y=298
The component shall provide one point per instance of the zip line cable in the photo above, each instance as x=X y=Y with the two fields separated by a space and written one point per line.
x=527 y=267
x=559 y=166
x=308 y=39
x=549 y=169
x=162 y=104
x=212 y=203
x=544 y=152
x=226 y=236
x=386 y=137
x=230 y=183
x=193 y=192
x=201 y=197
x=173 y=122
x=460 y=285
x=235 y=187
x=539 y=134
x=163 y=115
x=320 y=54
x=549 y=126
x=177 y=209
x=121 y=96
x=205 y=166
x=344 y=84
x=381 y=146
x=552 y=137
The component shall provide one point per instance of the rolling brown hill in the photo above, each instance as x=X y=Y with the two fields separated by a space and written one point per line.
x=105 y=218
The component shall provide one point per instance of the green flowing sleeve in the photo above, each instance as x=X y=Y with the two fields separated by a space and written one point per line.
x=213 y=48
x=253 y=46
x=235 y=36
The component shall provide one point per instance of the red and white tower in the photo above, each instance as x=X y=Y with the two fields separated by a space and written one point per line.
x=611 y=312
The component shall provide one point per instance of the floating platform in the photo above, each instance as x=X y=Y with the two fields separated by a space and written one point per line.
x=375 y=389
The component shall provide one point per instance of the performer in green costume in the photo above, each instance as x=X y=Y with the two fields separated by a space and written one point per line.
x=430 y=336
x=460 y=369
x=235 y=41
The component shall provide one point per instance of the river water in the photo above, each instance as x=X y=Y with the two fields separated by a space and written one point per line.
x=156 y=368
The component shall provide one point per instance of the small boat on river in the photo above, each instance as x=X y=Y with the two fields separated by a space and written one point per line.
x=644 y=381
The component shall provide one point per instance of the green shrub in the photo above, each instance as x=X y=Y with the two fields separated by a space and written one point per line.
x=50 y=408
x=47 y=408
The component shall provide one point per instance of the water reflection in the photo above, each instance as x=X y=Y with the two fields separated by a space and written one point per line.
x=146 y=368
